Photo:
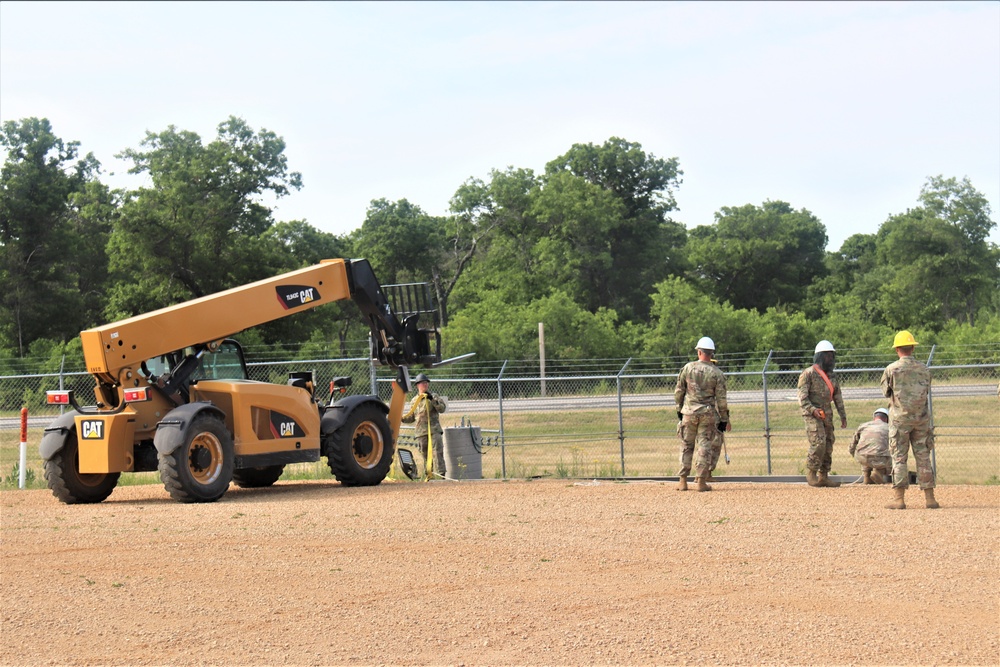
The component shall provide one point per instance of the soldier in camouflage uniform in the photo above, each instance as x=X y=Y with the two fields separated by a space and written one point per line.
x=906 y=383
x=870 y=448
x=819 y=390
x=426 y=408
x=702 y=410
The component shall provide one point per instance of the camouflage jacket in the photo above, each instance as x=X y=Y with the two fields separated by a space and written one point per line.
x=906 y=383
x=421 y=409
x=815 y=395
x=701 y=387
x=871 y=439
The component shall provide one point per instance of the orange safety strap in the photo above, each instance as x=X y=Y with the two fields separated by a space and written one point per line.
x=829 y=385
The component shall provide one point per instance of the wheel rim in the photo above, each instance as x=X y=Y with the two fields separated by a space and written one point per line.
x=205 y=458
x=368 y=445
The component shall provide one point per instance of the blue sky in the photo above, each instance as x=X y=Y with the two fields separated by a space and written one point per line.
x=843 y=109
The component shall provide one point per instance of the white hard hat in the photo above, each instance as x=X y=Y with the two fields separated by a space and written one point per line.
x=881 y=411
x=824 y=346
x=705 y=343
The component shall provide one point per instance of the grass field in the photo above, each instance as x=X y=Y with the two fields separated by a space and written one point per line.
x=586 y=444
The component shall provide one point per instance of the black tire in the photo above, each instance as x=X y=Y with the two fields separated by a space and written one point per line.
x=199 y=471
x=255 y=478
x=360 y=452
x=68 y=484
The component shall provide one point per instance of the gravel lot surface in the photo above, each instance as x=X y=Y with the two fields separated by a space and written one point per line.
x=554 y=572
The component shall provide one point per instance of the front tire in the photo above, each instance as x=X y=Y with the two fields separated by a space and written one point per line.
x=200 y=470
x=68 y=484
x=360 y=452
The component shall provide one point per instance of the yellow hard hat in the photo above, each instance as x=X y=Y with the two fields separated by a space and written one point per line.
x=903 y=339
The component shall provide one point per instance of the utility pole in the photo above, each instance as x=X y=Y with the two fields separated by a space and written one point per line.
x=541 y=353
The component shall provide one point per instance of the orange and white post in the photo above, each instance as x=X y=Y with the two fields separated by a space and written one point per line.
x=24 y=449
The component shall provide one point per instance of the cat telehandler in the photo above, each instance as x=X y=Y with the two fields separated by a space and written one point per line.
x=173 y=394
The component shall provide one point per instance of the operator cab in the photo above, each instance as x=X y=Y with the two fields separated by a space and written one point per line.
x=174 y=373
x=226 y=363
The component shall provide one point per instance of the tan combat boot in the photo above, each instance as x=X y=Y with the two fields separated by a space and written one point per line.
x=824 y=480
x=867 y=474
x=897 y=503
x=702 y=484
x=682 y=483
x=929 y=499
x=877 y=477
x=811 y=478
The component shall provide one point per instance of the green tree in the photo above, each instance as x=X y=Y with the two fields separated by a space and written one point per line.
x=573 y=332
x=471 y=227
x=296 y=244
x=92 y=215
x=681 y=314
x=976 y=261
x=756 y=257
x=496 y=329
x=402 y=242
x=917 y=252
x=781 y=329
x=640 y=245
x=45 y=271
x=493 y=327
x=502 y=209
x=575 y=253
x=197 y=230
x=852 y=320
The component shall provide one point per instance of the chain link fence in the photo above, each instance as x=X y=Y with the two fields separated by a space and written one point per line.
x=616 y=418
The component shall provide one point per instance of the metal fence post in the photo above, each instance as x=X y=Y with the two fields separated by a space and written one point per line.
x=503 y=447
x=621 y=422
x=767 y=418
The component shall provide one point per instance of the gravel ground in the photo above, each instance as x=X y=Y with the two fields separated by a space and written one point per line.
x=551 y=572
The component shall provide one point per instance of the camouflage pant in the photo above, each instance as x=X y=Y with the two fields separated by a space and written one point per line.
x=439 y=468
x=921 y=438
x=820 y=435
x=700 y=428
x=881 y=463
x=716 y=448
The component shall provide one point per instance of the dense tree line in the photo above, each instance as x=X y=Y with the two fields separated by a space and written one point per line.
x=588 y=247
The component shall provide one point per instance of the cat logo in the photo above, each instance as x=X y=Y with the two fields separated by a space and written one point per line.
x=92 y=429
x=283 y=426
x=295 y=296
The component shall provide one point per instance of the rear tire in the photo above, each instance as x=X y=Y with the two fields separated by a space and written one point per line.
x=360 y=452
x=68 y=484
x=255 y=478
x=199 y=471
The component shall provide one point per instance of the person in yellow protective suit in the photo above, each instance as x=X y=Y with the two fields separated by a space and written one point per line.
x=424 y=414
